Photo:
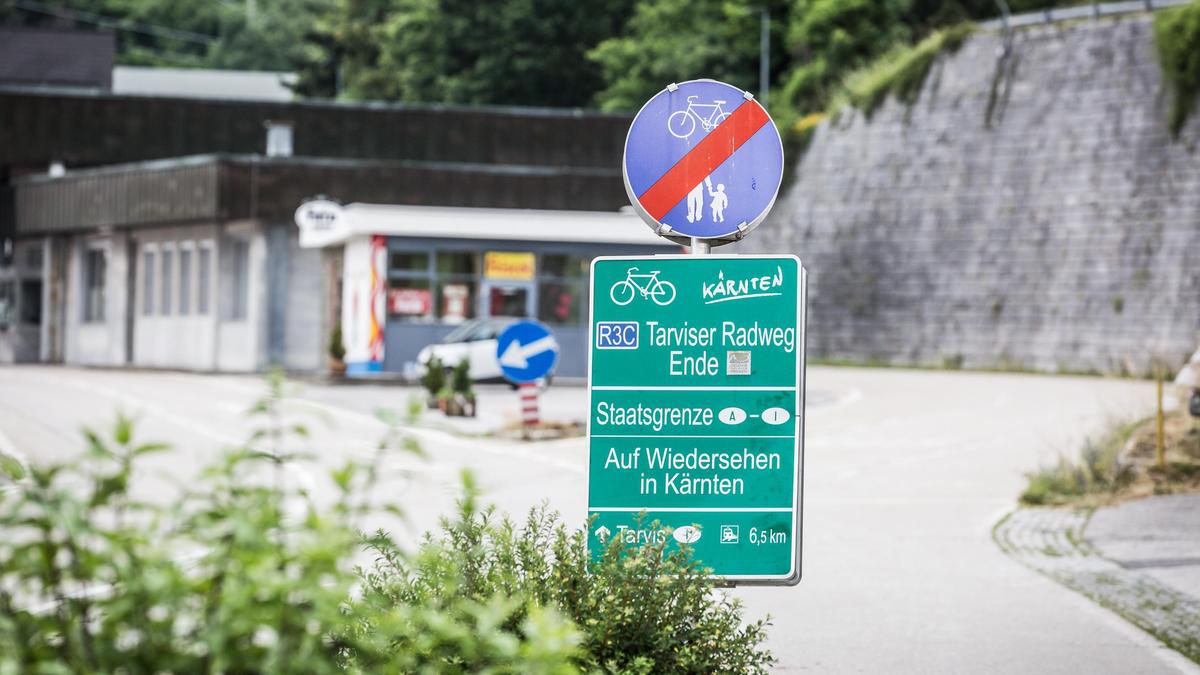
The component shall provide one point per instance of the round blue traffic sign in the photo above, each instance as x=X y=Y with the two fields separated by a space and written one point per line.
x=702 y=159
x=526 y=351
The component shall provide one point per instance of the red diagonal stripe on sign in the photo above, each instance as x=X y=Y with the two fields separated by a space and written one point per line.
x=703 y=159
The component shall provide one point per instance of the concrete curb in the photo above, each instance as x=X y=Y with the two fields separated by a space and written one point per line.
x=1051 y=541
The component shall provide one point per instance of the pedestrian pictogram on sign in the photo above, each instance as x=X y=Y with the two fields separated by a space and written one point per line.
x=702 y=159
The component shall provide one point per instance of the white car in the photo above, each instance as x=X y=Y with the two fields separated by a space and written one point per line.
x=475 y=341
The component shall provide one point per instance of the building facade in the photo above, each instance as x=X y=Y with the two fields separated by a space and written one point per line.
x=411 y=275
x=126 y=255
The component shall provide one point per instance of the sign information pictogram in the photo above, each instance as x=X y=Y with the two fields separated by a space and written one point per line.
x=526 y=351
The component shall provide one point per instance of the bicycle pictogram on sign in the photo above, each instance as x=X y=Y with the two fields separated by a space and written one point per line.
x=648 y=284
x=682 y=123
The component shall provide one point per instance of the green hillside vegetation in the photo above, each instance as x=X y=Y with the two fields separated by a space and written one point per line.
x=611 y=54
x=1177 y=36
x=607 y=54
x=901 y=72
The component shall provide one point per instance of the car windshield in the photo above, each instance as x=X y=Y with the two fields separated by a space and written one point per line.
x=478 y=329
x=461 y=333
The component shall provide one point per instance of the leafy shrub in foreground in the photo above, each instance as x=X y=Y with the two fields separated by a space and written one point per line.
x=242 y=575
x=245 y=574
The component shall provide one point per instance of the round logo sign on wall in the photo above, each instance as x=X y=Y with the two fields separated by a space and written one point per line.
x=702 y=159
x=321 y=222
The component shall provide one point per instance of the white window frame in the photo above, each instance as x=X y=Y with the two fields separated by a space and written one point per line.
x=206 y=246
x=239 y=300
x=188 y=246
x=84 y=273
x=168 y=306
x=150 y=273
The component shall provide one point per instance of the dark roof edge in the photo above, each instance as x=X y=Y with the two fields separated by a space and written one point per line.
x=85 y=92
x=326 y=162
x=115 y=169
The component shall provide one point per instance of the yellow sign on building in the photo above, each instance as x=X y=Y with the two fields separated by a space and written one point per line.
x=508 y=265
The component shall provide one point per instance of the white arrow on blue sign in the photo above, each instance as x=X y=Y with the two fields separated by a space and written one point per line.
x=526 y=351
x=704 y=159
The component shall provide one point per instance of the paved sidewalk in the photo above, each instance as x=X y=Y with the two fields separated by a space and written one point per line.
x=1058 y=542
x=1158 y=536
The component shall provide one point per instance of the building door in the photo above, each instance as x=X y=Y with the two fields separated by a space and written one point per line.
x=507 y=298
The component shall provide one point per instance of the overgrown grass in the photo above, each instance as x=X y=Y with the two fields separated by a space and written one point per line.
x=1123 y=464
x=1097 y=471
x=1177 y=36
x=901 y=71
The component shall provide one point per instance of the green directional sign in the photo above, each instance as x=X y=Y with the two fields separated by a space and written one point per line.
x=696 y=377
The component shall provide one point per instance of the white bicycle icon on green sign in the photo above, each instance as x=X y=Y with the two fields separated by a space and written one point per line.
x=682 y=123
x=649 y=285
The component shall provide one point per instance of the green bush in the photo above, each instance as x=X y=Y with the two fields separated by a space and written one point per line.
x=641 y=609
x=1177 y=36
x=247 y=573
x=434 y=378
x=902 y=71
x=461 y=380
x=830 y=38
x=337 y=348
x=243 y=575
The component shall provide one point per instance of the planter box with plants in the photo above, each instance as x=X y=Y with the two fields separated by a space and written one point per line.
x=337 y=352
x=453 y=395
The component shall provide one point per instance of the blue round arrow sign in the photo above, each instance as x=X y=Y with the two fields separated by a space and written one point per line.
x=526 y=351
x=703 y=158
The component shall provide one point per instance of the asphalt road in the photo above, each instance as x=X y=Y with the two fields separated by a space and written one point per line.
x=906 y=472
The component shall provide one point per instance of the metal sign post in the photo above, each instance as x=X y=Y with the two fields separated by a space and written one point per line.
x=696 y=363
x=529 y=404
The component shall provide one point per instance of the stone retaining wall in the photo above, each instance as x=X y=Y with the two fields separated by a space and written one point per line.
x=1027 y=212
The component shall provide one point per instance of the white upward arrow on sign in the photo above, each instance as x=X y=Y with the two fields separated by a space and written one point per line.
x=517 y=355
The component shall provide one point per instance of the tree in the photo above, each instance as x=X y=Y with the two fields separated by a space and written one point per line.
x=213 y=34
x=611 y=53
x=272 y=39
x=831 y=38
x=508 y=52
x=676 y=40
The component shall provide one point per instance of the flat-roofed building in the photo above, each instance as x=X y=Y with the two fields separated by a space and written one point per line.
x=197 y=263
x=159 y=231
